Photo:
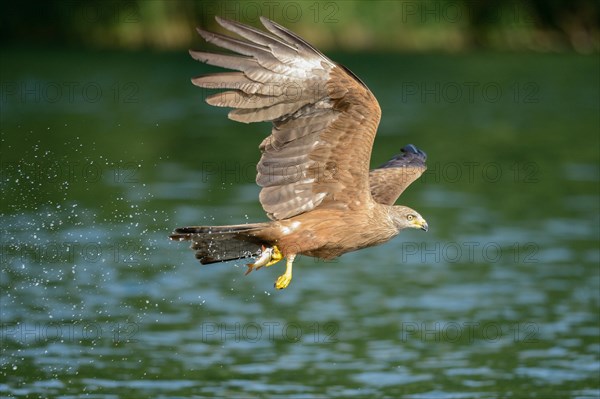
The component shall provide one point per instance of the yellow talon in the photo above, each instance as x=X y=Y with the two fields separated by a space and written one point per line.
x=276 y=256
x=284 y=280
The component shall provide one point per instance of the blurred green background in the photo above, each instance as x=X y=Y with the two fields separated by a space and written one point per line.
x=446 y=25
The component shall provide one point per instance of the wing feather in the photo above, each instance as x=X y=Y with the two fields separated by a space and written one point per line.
x=390 y=180
x=324 y=118
x=225 y=61
x=235 y=80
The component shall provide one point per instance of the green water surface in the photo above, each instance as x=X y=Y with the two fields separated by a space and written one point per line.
x=103 y=154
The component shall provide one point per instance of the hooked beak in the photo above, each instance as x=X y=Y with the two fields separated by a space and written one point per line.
x=421 y=224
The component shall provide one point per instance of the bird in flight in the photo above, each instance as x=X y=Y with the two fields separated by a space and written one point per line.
x=316 y=186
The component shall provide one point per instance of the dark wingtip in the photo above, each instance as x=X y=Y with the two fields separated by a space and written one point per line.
x=179 y=237
x=192 y=230
x=412 y=149
x=184 y=233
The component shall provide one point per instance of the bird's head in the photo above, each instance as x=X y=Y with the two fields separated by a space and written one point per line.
x=404 y=217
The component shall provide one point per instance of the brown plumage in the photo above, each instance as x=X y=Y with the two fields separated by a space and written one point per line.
x=314 y=170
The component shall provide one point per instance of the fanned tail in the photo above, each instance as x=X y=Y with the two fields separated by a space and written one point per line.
x=223 y=243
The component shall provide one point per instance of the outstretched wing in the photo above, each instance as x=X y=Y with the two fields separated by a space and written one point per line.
x=324 y=118
x=390 y=179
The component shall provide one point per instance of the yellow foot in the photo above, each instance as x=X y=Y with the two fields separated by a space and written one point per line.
x=268 y=257
x=276 y=256
x=284 y=280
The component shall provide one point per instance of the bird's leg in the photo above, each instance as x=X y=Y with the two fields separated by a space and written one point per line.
x=268 y=256
x=284 y=280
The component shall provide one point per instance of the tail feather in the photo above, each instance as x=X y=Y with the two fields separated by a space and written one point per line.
x=222 y=243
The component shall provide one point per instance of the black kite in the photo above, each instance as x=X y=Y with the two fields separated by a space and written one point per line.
x=314 y=170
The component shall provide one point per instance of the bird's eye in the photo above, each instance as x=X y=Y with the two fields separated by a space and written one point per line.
x=410 y=217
